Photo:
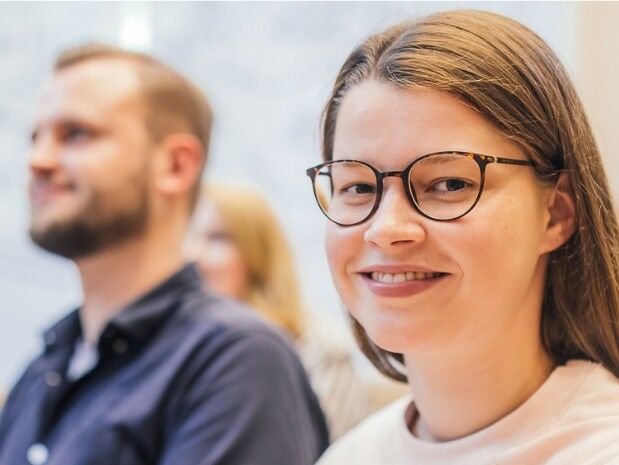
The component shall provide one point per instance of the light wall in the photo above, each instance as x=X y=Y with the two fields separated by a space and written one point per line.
x=597 y=76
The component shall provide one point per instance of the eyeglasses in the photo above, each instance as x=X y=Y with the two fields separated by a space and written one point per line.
x=441 y=186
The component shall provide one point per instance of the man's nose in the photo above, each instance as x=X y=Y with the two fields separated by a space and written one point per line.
x=44 y=154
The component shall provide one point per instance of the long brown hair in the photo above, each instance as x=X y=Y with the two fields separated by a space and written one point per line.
x=509 y=74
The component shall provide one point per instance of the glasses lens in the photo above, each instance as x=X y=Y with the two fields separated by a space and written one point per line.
x=346 y=191
x=445 y=186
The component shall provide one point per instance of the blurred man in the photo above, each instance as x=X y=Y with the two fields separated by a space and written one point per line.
x=149 y=369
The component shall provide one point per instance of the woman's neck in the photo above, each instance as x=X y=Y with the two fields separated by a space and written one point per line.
x=459 y=392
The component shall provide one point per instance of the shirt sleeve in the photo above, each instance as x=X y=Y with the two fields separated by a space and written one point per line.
x=247 y=402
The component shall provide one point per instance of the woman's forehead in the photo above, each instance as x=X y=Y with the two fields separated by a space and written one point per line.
x=377 y=121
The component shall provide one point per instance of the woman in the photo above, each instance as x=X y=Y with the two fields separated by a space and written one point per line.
x=473 y=241
x=242 y=253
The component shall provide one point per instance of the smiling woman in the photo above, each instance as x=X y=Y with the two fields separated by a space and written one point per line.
x=473 y=241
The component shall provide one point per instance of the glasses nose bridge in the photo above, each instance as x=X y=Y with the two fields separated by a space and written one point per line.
x=386 y=174
x=396 y=174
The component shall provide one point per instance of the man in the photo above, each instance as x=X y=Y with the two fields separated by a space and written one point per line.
x=150 y=369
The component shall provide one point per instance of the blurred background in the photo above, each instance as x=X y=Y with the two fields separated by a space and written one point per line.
x=267 y=69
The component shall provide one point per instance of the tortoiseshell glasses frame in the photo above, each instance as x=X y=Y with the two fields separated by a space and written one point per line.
x=482 y=161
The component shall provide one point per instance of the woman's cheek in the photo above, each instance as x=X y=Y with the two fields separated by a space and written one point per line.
x=340 y=250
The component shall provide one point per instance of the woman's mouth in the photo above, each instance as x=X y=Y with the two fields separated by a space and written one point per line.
x=389 y=278
x=401 y=284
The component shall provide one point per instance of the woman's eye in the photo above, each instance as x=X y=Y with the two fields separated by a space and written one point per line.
x=450 y=185
x=218 y=236
x=359 y=189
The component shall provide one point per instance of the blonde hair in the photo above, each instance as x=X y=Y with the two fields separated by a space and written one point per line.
x=173 y=103
x=274 y=288
x=508 y=74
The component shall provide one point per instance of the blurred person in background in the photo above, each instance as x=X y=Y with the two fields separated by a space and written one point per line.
x=149 y=369
x=473 y=239
x=242 y=252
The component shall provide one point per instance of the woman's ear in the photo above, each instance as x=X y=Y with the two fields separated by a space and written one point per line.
x=562 y=215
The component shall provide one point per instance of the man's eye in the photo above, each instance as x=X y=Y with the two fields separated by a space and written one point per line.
x=77 y=134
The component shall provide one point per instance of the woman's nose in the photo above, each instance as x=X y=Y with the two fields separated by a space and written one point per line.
x=395 y=223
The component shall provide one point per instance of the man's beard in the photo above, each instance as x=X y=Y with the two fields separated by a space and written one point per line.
x=99 y=225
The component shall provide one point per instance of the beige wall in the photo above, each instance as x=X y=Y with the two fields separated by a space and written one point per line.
x=597 y=75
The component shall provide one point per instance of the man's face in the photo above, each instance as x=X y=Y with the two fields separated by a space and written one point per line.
x=89 y=187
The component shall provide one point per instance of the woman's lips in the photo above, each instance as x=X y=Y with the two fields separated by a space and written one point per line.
x=401 y=284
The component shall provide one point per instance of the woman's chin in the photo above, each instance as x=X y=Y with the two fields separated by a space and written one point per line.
x=404 y=337
x=391 y=339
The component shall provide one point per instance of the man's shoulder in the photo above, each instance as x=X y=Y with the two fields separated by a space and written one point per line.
x=209 y=326
x=236 y=362
x=208 y=315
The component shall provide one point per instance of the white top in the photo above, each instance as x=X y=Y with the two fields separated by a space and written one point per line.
x=572 y=419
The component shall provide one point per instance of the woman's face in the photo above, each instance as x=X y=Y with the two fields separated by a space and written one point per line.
x=218 y=257
x=491 y=261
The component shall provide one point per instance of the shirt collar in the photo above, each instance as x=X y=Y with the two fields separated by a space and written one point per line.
x=139 y=319
x=64 y=332
x=147 y=313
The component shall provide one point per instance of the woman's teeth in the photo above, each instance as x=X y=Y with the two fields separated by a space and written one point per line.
x=389 y=278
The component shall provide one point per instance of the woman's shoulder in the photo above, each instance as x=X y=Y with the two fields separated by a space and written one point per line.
x=367 y=442
x=586 y=428
x=597 y=397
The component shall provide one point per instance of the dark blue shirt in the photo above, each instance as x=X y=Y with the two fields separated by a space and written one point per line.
x=183 y=378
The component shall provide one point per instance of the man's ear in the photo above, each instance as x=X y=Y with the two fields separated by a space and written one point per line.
x=562 y=215
x=181 y=157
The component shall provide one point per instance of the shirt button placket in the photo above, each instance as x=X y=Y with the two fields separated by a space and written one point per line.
x=119 y=346
x=37 y=454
